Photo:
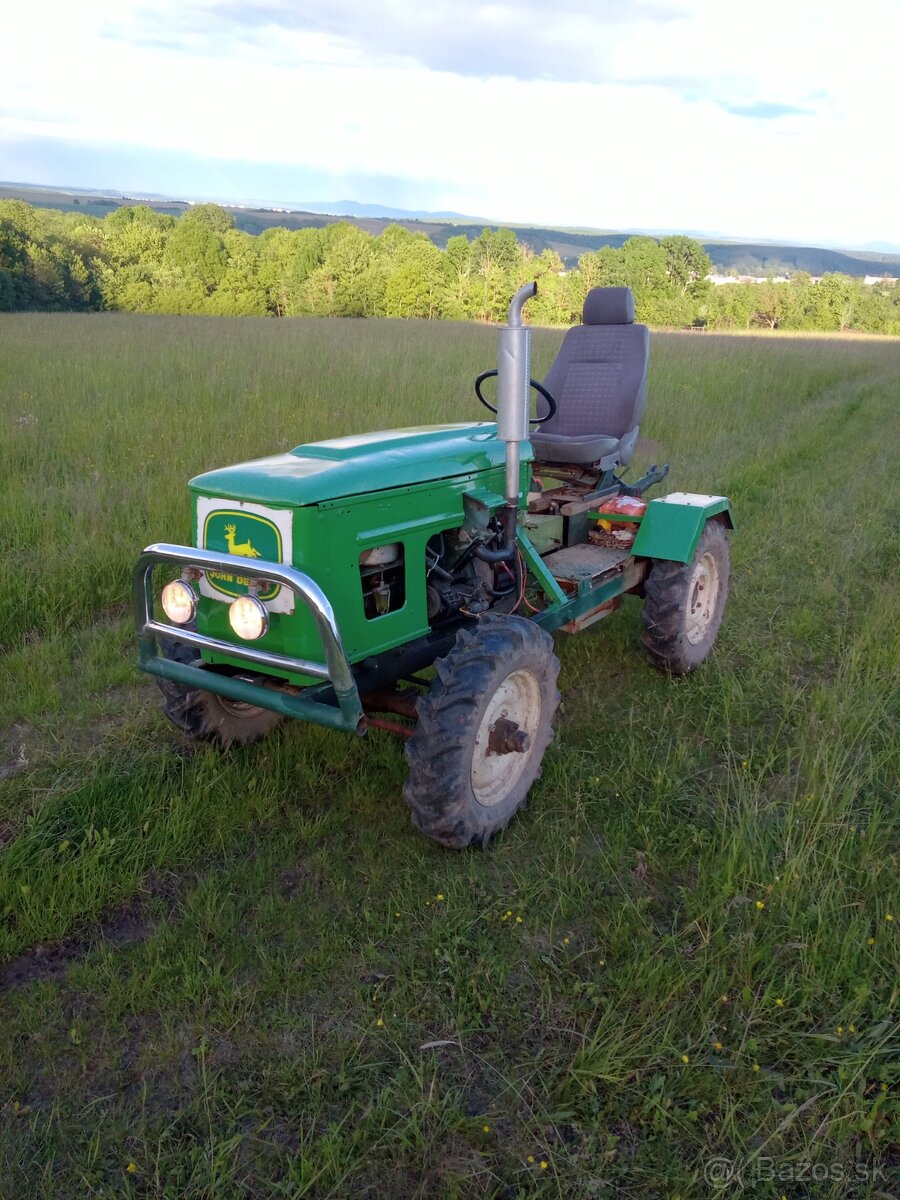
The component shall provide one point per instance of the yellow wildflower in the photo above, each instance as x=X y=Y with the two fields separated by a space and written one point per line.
x=485 y=1129
x=439 y=896
x=565 y=941
x=685 y=1058
x=889 y=916
x=379 y=1022
x=531 y=1158
x=760 y=904
x=131 y=1167
x=518 y=920
x=779 y=1003
x=718 y=1046
x=544 y=1164
x=756 y=1066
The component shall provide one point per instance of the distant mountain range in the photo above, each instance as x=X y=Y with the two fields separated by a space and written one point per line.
x=350 y=208
x=747 y=257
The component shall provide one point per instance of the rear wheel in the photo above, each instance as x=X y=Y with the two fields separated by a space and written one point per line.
x=204 y=716
x=482 y=731
x=684 y=604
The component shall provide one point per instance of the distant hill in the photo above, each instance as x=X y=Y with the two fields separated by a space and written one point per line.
x=763 y=259
x=747 y=258
x=351 y=208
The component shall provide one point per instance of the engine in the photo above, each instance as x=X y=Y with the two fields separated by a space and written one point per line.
x=459 y=583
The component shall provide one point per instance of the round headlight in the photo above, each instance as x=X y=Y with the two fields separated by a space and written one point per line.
x=248 y=617
x=179 y=602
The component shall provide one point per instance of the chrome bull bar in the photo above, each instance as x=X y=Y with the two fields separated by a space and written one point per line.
x=335 y=670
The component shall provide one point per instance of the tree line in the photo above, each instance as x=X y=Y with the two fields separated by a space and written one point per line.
x=138 y=260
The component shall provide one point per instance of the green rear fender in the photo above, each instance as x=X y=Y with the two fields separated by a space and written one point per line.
x=672 y=525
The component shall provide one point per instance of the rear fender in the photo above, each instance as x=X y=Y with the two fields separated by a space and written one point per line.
x=672 y=525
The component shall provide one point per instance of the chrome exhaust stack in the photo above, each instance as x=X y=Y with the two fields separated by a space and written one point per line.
x=513 y=386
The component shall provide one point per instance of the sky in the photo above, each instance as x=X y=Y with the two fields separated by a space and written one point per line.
x=775 y=119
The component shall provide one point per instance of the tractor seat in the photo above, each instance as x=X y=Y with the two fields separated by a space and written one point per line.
x=599 y=382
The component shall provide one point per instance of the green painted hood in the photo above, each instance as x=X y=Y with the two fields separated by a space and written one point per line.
x=368 y=462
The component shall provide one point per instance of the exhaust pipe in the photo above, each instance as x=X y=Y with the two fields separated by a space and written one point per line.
x=513 y=385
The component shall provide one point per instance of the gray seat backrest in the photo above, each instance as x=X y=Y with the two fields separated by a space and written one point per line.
x=599 y=377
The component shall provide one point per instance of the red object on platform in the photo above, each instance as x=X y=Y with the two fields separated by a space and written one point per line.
x=619 y=534
x=624 y=506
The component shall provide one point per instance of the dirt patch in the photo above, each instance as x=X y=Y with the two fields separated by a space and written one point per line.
x=126 y=925
x=13 y=753
x=292 y=880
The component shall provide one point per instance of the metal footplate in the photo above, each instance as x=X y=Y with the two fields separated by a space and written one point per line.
x=336 y=670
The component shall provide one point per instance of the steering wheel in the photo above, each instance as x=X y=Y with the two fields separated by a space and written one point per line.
x=538 y=387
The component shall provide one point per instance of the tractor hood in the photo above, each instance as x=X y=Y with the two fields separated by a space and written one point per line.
x=368 y=462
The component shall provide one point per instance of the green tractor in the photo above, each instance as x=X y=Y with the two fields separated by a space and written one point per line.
x=322 y=582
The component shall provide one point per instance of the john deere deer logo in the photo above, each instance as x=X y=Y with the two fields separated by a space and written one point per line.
x=246 y=535
x=245 y=549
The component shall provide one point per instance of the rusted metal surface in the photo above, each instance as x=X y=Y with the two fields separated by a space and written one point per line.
x=506 y=737
x=633 y=576
x=391 y=726
x=588 y=618
x=393 y=701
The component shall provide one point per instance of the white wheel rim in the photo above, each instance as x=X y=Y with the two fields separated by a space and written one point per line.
x=703 y=594
x=518 y=699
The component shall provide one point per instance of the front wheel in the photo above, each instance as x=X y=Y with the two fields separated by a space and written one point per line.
x=206 y=717
x=482 y=731
x=684 y=604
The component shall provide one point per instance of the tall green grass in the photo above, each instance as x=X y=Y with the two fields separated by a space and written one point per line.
x=273 y=986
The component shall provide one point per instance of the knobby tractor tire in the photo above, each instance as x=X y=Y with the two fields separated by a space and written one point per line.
x=460 y=791
x=684 y=603
x=205 y=717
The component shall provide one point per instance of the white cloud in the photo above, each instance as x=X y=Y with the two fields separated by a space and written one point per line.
x=637 y=133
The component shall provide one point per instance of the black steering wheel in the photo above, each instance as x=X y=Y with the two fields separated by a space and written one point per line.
x=538 y=387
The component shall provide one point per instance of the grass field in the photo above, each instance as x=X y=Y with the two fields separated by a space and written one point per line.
x=245 y=975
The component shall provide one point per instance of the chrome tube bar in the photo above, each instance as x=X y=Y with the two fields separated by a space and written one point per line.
x=336 y=667
x=261 y=658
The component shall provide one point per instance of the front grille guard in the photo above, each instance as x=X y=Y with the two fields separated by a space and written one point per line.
x=335 y=670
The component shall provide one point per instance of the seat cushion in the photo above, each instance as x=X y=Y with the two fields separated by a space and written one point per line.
x=550 y=447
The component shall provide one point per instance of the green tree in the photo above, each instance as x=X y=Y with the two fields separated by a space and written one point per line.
x=240 y=292
x=687 y=264
x=344 y=285
x=197 y=251
x=288 y=258
x=494 y=260
x=417 y=284
x=458 y=262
